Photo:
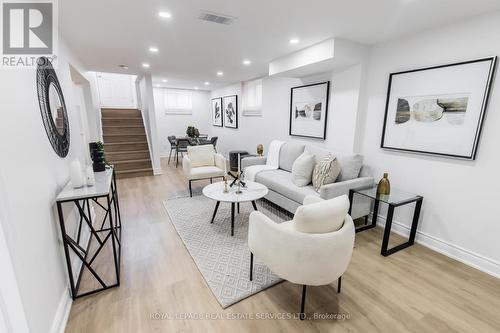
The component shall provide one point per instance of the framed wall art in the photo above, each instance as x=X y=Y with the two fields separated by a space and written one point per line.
x=309 y=110
x=231 y=111
x=438 y=110
x=217 y=117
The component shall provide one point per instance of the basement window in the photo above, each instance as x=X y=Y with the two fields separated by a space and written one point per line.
x=178 y=101
x=252 y=98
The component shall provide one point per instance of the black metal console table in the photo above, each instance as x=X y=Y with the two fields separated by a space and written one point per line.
x=108 y=232
x=395 y=199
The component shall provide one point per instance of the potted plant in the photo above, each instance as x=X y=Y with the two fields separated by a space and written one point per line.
x=193 y=133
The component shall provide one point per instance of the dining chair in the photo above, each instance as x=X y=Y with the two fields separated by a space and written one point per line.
x=181 y=147
x=173 y=145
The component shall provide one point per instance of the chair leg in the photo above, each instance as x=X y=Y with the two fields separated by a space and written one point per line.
x=303 y=303
x=251 y=266
x=339 y=284
x=190 y=190
x=210 y=180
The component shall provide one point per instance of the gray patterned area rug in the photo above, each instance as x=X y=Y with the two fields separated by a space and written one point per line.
x=224 y=261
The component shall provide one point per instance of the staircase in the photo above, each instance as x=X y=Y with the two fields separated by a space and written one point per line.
x=125 y=142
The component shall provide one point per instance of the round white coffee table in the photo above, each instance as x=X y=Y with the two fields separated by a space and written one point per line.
x=251 y=192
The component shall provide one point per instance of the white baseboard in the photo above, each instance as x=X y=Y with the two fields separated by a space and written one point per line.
x=157 y=171
x=458 y=253
x=62 y=313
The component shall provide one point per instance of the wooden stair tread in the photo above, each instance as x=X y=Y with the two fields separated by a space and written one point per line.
x=128 y=151
x=123 y=134
x=118 y=126
x=124 y=143
x=132 y=160
x=134 y=170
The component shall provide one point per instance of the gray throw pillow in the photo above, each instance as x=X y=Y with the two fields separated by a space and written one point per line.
x=325 y=172
x=302 y=169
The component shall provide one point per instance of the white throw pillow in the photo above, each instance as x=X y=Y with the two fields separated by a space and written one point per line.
x=201 y=155
x=325 y=172
x=302 y=169
x=322 y=217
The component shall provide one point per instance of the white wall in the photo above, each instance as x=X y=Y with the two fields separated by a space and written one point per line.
x=176 y=124
x=274 y=123
x=458 y=215
x=33 y=174
x=116 y=90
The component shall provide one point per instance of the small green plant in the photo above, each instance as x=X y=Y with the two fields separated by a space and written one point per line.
x=192 y=132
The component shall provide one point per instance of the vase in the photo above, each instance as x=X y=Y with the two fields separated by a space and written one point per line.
x=260 y=149
x=384 y=186
x=76 y=174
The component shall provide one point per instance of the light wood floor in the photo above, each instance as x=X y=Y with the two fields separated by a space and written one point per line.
x=415 y=290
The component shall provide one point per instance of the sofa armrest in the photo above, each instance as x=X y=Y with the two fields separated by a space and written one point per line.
x=333 y=190
x=186 y=166
x=252 y=160
x=220 y=161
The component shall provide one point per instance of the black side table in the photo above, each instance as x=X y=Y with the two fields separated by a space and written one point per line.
x=395 y=199
x=109 y=231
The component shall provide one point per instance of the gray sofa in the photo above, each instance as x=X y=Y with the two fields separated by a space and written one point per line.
x=284 y=193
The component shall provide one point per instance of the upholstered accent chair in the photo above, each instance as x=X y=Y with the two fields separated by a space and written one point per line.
x=202 y=162
x=313 y=249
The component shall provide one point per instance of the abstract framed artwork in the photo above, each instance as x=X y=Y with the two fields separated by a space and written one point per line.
x=217 y=117
x=438 y=110
x=309 y=110
x=231 y=111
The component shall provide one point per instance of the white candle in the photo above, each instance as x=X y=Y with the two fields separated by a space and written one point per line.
x=225 y=167
x=239 y=160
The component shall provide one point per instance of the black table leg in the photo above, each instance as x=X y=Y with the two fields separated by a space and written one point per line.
x=254 y=205
x=351 y=195
x=374 y=218
x=387 y=230
x=238 y=207
x=232 y=218
x=215 y=211
x=414 y=224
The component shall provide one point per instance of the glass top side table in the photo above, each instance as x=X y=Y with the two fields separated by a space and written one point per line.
x=395 y=199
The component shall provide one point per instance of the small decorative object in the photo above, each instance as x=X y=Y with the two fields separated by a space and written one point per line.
x=260 y=149
x=238 y=178
x=384 y=186
x=309 y=110
x=52 y=106
x=217 y=117
x=89 y=172
x=231 y=111
x=192 y=132
x=97 y=156
x=225 y=184
x=438 y=110
x=76 y=174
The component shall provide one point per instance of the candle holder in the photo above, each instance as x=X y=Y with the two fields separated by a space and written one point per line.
x=238 y=175
x=225 y=185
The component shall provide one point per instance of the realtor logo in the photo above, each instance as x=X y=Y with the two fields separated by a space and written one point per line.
x=28 y=31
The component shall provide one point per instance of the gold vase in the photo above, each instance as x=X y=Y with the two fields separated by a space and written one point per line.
x=260 y=149
x=384 y=186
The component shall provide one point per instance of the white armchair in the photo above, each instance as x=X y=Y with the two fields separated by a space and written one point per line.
x=313 y=249
x=202 y=162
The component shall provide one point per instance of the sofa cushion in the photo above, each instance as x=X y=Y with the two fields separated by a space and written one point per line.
x=205 y=172
x=302 y=169
x=202 y=155
x=322 y=217
x=289 y=152
x=280 y=181
x=350 y=164
x=325 y=172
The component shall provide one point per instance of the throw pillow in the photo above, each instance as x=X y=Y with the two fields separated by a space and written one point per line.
x=322 y=216
x=325 y=172
x=302 y=169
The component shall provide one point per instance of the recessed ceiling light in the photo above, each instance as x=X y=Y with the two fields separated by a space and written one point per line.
x=220 y=73
x=196 y=88
x=164 y=15
x=146 y=65
x=123 y=66
x=207 y=83
x=294 y=41
x=246 y=62
x=164 y=80
x=153 y=49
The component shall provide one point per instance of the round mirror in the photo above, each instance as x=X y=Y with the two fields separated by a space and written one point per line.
x=52 y=107
x=56 y=109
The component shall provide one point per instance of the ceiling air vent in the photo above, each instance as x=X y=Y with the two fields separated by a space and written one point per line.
x=216 y=18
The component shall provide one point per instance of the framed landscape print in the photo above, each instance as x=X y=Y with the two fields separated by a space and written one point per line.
x=217 y=112
x=309 y=110
x=438 y=110
x=231 y=111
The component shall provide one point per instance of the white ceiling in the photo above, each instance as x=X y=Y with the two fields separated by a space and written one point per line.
x=106 y=33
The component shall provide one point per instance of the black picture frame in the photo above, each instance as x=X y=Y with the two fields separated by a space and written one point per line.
x=221 y=111
x=225 y=98
x=325 y=125
x=486 y=96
